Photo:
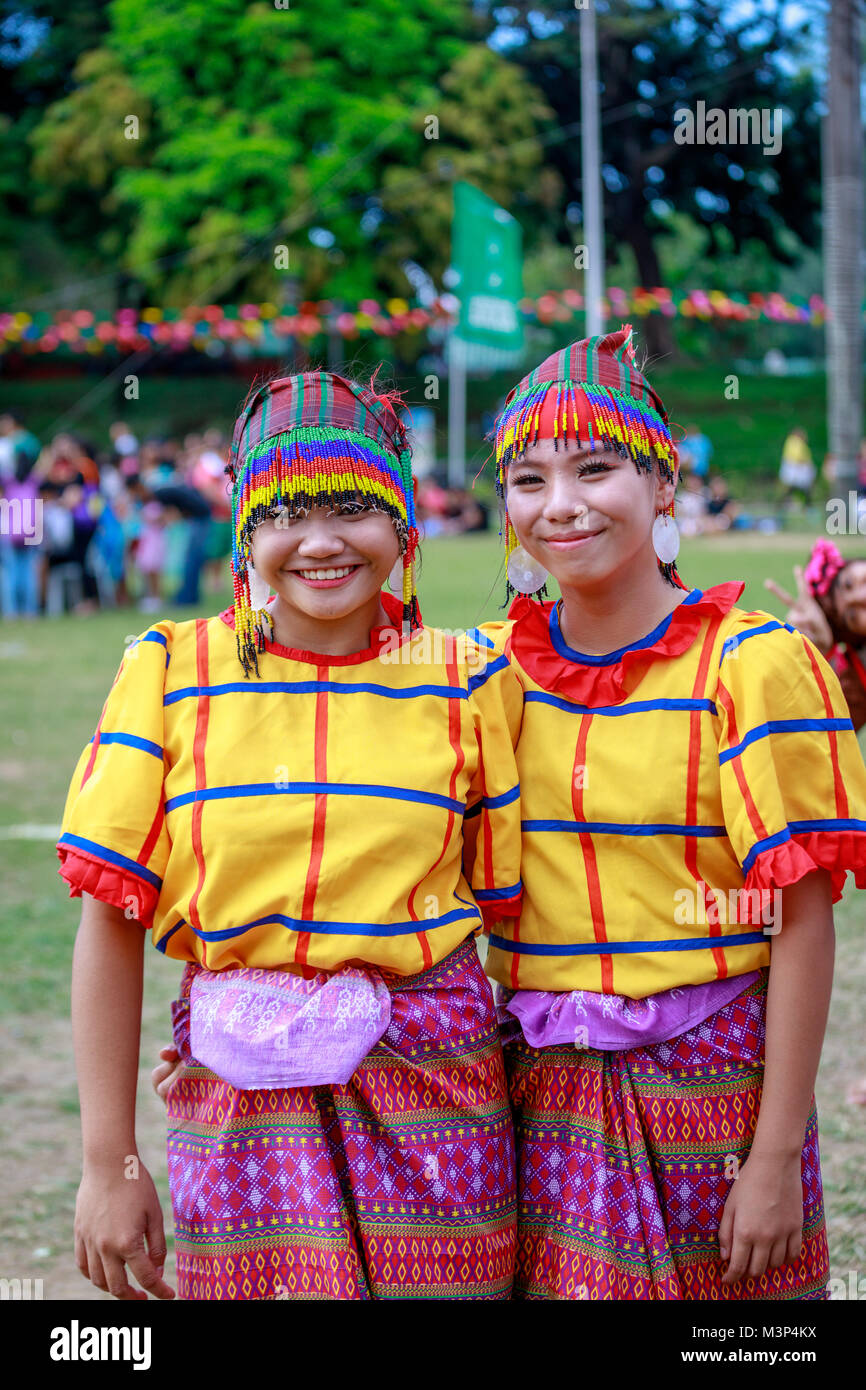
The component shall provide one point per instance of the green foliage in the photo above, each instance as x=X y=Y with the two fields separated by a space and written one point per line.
x=258 y=125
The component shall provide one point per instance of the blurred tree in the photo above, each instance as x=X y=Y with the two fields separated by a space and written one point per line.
x=40 y=43
x=656 y=56
x=262 y=128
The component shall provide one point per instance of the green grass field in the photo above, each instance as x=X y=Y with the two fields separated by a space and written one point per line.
x=56 y=674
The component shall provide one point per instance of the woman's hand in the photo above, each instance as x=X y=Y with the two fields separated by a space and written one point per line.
x=762 y=1224
x=118 y=1223
x=804 y=612
x=169 y=1069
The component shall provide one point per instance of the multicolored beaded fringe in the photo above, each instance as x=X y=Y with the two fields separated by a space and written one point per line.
x=616 y=420
x=301 y=468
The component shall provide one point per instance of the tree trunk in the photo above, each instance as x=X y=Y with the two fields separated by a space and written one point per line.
x=654 y=329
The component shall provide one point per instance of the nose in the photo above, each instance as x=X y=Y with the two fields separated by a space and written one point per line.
x=562 y=500
x=319 y=539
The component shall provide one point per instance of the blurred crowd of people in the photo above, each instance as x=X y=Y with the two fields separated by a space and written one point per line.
x=149 y=521
x=138 y=521
x=86 y=528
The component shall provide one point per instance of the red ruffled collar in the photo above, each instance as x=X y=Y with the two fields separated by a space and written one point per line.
x=389 y=634
x=538 y=644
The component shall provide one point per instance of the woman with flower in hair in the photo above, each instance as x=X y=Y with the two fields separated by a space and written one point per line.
x=278 y=794
x=830 y=609
x=692 y=796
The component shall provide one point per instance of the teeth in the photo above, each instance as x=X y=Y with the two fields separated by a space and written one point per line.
x=326 y=574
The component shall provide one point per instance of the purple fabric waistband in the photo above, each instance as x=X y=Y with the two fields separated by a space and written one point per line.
x=612 y=1022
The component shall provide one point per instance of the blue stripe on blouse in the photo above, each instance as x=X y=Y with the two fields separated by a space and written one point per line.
x=493 y=895
x=300 y=788
x=541 y=697
x=614 y=828
x=482 y=677
x=784 y=726
x=795 y=827
x=731 y=643
x=131 y=741
x=298 y=924
x=412 y=692
x=111 y=856
x=619 y=948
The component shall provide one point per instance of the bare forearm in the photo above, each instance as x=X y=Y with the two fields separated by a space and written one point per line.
x=798 y=1000
x=106 y=1024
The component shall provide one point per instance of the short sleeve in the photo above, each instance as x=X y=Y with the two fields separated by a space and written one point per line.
x=113 y=841
x=793 y=782
x=491 y=831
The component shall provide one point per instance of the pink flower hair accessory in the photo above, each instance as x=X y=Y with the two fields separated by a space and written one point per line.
x=825 y=562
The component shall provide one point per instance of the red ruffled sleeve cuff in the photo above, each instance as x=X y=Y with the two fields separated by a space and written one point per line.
x=106 y=882
x=495 y=909
x=838 y=851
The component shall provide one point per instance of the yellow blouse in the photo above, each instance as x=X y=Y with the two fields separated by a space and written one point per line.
x=308 y=818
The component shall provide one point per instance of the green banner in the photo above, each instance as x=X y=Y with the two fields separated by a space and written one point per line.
x=486 y=256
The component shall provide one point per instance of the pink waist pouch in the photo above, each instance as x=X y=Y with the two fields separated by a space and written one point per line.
x=260 y=1029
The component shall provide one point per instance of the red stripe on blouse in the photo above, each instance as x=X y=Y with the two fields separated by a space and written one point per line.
x=320 y=811
x=593 y=880
x=486 y=828
x=692 y=774
x=838 y=784
x=454 y=731
x=198 y=748
x=758 y=828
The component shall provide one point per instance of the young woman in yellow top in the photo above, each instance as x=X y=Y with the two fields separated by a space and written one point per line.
x=692 y=795
x=278 y=794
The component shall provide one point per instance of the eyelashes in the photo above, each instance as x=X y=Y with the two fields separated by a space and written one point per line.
x=583 y=472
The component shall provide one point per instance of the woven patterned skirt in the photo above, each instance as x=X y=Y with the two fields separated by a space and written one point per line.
x=625 y=1161
x=400 y=1184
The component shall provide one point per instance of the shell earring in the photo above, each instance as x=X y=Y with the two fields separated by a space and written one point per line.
x=525 y=575
x=260 y=590
x=395 y=578
x=666 y=538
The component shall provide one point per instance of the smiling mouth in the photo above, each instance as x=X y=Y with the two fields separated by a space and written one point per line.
x=575 y=539
x=325 y=577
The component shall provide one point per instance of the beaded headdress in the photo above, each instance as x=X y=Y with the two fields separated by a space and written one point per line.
x=594 y=389
x=315 y=439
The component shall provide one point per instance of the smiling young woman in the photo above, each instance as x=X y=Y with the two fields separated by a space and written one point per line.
x=674 y=748
x=315 y=832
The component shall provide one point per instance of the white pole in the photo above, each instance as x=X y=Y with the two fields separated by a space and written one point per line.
x=843 y=242
x=590 y=150
x=456 y=411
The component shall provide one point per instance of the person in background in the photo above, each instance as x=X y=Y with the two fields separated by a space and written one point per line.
x=797 y=473
x=194 y=510
x=722 y=510
x=696 y=450
x=123 y=442
x=692 y=504
x=15 y=440
x=207 y=475
x=830 y=609
x=21 y=537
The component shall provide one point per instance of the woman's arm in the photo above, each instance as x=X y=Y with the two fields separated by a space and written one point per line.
x=118 y=1219
x=762 y=1225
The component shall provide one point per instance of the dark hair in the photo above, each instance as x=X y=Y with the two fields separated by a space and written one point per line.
x=827 y=602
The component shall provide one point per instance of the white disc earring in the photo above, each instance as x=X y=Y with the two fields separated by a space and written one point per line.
x=260 y=590
x=666 y=538
x=525 y=575
x=395 y=578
